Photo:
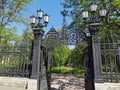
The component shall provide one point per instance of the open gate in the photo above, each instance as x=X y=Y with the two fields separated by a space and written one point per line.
x=67 y=36
x=53 y=39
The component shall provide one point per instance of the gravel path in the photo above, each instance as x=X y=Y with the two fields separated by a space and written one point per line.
x=67 y=82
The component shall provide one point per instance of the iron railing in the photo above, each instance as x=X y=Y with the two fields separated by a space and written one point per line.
x=110 y=54
x=15 y=61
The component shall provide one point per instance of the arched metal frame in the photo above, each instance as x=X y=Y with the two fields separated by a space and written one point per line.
x=67 y=36
x=71 y=37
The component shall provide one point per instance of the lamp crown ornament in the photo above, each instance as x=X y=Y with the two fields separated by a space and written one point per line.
x=40 y=16
x=64 y=13
x=37 y=24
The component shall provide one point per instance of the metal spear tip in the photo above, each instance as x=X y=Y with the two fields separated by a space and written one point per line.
x=64 y=13
x=52 y=29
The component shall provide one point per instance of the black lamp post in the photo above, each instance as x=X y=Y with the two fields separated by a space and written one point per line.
x=38 y=32
x=94 y=28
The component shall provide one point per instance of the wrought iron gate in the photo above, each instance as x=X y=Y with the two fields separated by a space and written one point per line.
x=68 y=36
x=72 y=36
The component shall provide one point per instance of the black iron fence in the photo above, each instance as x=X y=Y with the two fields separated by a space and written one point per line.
x=110 y=54
x=15 y=61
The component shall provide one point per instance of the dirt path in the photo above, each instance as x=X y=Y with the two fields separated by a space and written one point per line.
x=67 y=82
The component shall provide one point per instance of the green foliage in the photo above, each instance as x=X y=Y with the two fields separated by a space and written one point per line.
x=64 y=70
x=9 y=36
x=11 y=11
x=63 y=56
x=60 y=55
x=27 y=37
x=77 y=56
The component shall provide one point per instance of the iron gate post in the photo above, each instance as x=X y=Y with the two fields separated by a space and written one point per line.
x=89 y=68
x=94 y=29
x=49 y=73
x=97 y=59
x=38 y=34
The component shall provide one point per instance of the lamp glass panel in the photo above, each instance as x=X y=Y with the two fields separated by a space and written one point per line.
x=40 y=14
x=93 y=7
x=46 y=18
x=33 y=19
x=103 y=12
x=85 y=14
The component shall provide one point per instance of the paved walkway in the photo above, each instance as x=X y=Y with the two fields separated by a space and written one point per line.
x=61 y=82
x=67 y=82
x=10 y=88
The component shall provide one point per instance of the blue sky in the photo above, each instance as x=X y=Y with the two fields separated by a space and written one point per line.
x=51 y=7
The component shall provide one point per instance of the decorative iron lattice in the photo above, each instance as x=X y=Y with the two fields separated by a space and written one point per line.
x=110 y=53
x=68 y=36
x=51 y=38
x=15 y=61
x=71 y=36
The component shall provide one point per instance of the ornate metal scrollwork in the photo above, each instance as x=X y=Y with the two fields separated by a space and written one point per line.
x=75 y=36
x=70 y=36
x=51 y=38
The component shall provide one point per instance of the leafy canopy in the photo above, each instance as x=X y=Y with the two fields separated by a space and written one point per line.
x=11 y=11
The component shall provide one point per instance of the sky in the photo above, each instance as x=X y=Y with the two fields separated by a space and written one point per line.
x=51 y=7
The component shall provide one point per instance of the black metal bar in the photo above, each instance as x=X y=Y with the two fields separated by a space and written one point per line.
x=116 y=71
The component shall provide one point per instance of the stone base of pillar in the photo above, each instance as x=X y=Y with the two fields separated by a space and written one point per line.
x=98 y=81
x=107 y=86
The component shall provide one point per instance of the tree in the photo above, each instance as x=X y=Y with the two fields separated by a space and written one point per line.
x=11 y=11
x=27 y=36
x=60 y=55
x=10 y=36
x=78 y=56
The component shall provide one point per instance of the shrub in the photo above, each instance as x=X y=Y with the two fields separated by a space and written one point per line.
x=64 y=70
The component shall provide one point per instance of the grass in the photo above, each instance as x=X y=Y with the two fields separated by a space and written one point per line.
x=66 y=70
